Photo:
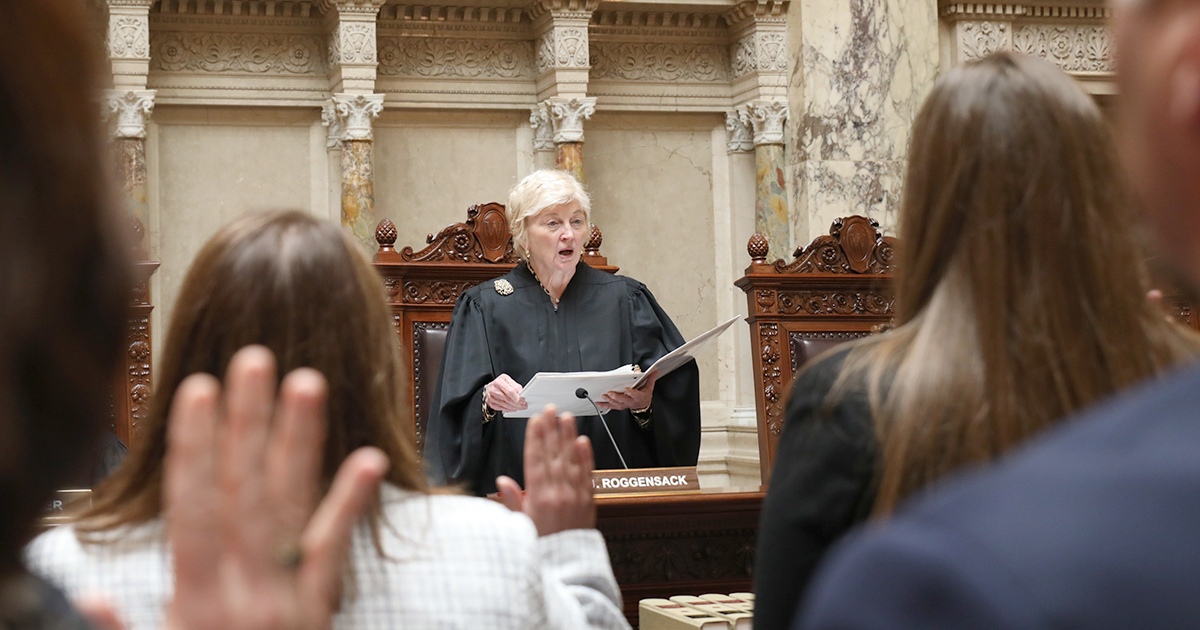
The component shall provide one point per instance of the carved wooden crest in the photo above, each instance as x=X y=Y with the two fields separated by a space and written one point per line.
x=482 y=238
x=854 y=246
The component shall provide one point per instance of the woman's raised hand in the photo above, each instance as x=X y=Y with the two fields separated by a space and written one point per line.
x=558 y=476
x=252 y=546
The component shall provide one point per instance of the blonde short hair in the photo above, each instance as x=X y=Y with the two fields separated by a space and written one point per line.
x=539 y=190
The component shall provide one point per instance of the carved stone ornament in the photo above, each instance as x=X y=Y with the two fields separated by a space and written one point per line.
x=568 y=115
x=465 y=58
x=759 y=52
x=353 y=43
x=483 y=238
x=656 y=61
x=355 y=113
x=563 y=47
x=130 y=109
x=854 y=246
x=741 y=140
x=337 y=131
x=767 y=118
x=370 y=7
x=980 y=39
x=237 y=52
x=129 y=37
x=1072 y=48
x=543 y=128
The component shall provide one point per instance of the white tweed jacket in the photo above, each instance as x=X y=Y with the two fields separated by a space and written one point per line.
x=451 y=562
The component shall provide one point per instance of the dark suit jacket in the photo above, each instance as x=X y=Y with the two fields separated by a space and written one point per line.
x=821 y=486
x=1094 y=525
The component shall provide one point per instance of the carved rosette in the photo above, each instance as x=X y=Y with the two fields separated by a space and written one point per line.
x=543 y=127
x=658 y=61
x=980 y=39
x=1072 y=48
x=465 y=58
x=767 y=119
x=567 y=116
x=854 y=245
x=740 y=135
x=354 y=113
x=237 y=52
x=130 y=110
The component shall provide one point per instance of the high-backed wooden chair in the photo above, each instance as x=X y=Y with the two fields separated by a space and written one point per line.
x=422 y=287
x=131 y=392
x=836 y=289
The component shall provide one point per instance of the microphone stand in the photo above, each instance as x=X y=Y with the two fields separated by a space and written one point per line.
x=583 y=393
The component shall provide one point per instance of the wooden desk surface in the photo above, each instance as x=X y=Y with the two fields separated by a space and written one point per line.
x=685 y=544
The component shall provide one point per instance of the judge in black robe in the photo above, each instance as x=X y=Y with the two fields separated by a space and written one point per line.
x=512 y=326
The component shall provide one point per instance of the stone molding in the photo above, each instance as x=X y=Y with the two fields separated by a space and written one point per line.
x=656 y=61
x=425 y=15
x=563 y=8
x=543 y=127
x=137 y=4
x=1071 y=35
x=774 y=11
x=767 y=118
x=129 y=109
x=354 y=113
x=238 y=8
x=257 y=53
x=458 y=58
x=351 y=6
x=740 y=134
x=567 y=116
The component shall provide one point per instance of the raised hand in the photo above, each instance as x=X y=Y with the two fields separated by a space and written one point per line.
x=558 y=476
x=252 y=547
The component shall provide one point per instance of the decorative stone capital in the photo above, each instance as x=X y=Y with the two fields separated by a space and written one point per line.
x=130 y=109
x=741 y=140
x=353 y=113
x=543 y=128
x=767 y=118
x=331 y=120
x=567 y=116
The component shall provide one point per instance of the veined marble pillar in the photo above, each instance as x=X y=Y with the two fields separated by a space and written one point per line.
x=354 y=114
x=859 y=72
x=130 y=110
x=566 y=117
x=766 y=119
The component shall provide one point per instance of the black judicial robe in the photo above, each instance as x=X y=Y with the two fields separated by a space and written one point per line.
x=603 y=321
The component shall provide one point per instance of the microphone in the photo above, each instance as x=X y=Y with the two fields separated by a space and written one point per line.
x=583 y=393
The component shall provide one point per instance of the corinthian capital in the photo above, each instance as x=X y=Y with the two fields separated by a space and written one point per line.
x=353 y=113
x=767 y=118
x=130 y=109
x=740 y=137
x=567 y=116
x=543 y=128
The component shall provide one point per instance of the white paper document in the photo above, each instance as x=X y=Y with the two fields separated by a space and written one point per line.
x=560 y=388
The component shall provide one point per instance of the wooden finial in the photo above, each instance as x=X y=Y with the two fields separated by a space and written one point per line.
x=758 y=248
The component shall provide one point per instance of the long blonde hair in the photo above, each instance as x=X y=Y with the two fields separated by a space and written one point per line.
x=1021 y=287
x=301 y=287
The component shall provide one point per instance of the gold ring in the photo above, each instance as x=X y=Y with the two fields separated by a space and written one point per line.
x=289 y=556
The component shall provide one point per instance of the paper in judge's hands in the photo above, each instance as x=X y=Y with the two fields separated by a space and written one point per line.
x=559 y=388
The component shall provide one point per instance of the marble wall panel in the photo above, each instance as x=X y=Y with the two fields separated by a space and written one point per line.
x=859 y=75
x=651 y=180
x=213 y=165
x=430 y=167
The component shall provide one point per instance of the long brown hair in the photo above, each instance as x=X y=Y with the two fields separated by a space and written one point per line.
x=1021 y=288
x=300 y=287
x=64 y=271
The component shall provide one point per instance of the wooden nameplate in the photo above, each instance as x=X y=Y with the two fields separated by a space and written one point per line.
x=645 y=480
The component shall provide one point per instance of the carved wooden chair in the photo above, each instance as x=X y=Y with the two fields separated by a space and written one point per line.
x=836 y=289
x=131 y=392
x=422 y=287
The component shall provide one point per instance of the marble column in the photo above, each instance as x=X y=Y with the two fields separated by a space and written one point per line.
x=130 y=110
x=858 y=73
x=355 y=113
x=766 y=119
x=567 y=116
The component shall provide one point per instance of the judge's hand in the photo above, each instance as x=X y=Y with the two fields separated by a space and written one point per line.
x=252 y=547
x=558 y=476
x=504 y=394
x=630 y=398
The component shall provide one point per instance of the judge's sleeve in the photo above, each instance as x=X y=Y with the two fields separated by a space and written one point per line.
x=676 y=403
x=456 y=436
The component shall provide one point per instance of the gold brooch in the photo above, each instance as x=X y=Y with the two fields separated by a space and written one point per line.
x=503 y=287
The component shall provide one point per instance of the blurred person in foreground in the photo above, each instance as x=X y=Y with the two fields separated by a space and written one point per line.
x=299 y=287
x=64 y=283
x=1020 y=299
x=1095 y=524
